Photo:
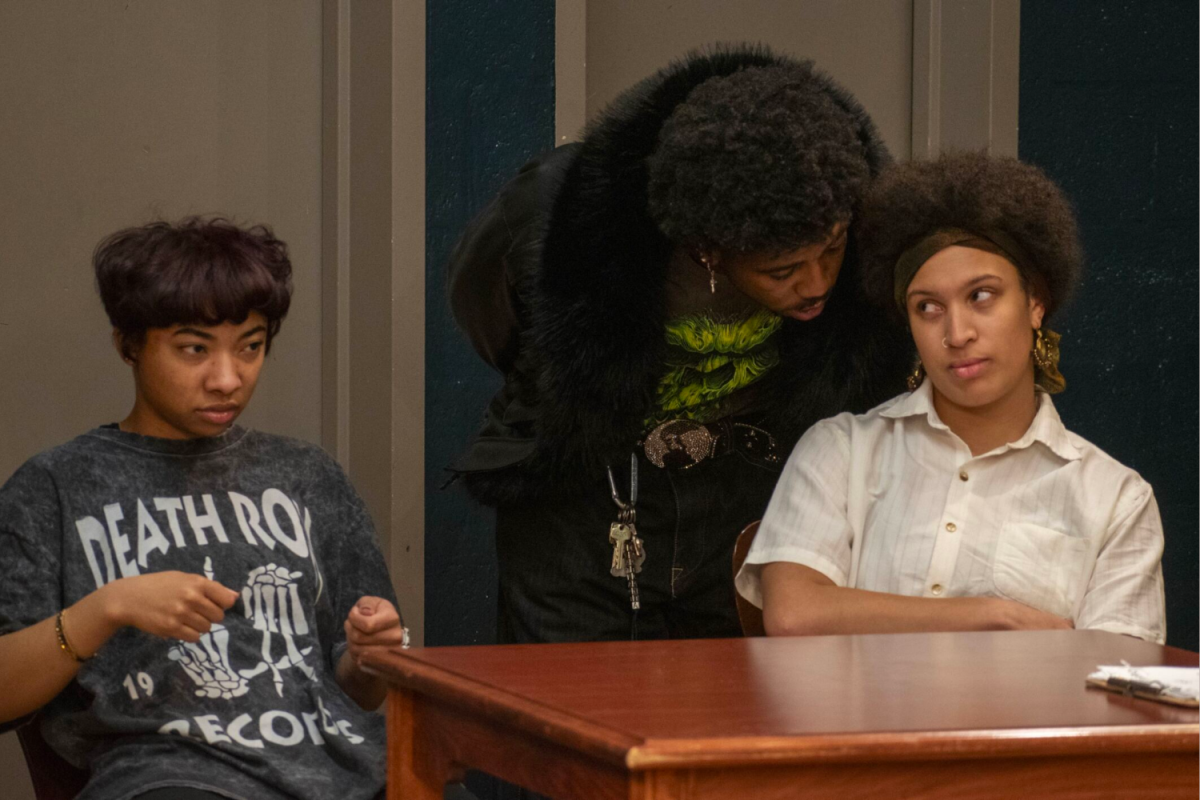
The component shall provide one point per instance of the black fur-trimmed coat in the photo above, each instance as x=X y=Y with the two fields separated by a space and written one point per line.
x=559 y=284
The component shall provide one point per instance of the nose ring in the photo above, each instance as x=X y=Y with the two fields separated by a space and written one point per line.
x=944 y=343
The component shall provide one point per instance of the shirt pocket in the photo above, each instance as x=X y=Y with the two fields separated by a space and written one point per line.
x=1040 y=567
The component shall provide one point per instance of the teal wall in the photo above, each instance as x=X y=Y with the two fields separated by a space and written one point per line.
x=1109 y=109
x=489 y=107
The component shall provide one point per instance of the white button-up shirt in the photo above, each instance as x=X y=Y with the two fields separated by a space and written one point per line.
x=893 y=501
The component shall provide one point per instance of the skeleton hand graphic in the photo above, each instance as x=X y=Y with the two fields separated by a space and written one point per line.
x=207 y=661
x=271 y=598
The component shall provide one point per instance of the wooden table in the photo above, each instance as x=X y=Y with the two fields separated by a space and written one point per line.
x=945 y=715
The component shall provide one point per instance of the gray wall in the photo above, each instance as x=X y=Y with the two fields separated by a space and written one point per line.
x=866 y=45
x=115 y=113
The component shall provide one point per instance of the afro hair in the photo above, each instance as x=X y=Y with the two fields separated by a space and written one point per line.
x=766 y=159
x=972 y=192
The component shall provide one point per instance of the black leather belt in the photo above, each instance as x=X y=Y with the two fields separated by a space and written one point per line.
x=684 y=443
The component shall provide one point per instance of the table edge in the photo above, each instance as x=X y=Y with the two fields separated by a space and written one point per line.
x=466 y=694
x=915 y=745
x=638 y=753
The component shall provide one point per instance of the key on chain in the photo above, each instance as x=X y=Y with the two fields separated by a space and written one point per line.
x=618 y=536
x=628 y=551
x=637 y=552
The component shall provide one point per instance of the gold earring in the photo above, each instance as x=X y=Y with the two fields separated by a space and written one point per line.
x=1040 y=355
x=915 y=377
x=1045 y=355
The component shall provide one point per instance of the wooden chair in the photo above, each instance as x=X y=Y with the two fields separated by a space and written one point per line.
x=748 y=614
x=53 y=778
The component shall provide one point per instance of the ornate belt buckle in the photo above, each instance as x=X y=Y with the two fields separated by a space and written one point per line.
x=679 y=444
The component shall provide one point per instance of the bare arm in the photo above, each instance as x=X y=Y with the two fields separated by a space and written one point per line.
x=31 y=658
x=800 y=601
x=168 y=604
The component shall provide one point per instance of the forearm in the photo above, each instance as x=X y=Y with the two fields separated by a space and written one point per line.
x=366 y=690
x=833 y=610
x=800 y=601
x=32 y=661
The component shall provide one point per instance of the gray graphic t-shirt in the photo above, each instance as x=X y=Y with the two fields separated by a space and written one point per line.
x=252 y=710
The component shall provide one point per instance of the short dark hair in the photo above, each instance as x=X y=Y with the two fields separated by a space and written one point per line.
x=974 y=192
x=196 y=271
x=763 y=160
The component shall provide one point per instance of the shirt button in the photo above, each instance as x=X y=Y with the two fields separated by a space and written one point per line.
x=950 y=526
x=936 y=589
x=962 y=476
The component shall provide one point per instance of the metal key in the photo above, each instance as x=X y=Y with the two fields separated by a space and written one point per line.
x=637 y=552
x=619 y=535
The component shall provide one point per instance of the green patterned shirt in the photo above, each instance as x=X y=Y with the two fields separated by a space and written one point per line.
x=710 y=359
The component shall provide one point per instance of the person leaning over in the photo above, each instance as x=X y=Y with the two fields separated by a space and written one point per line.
x=184 y=600
x=964 y=504
x=670 y=301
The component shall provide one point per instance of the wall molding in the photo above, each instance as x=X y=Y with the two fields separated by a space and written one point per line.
x=965 y=71
x=966 y=68
x=407 y=474
x=373 y=272
x=335 y=229
x=570 y=69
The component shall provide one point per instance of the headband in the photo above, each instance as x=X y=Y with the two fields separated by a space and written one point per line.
x=912 y=259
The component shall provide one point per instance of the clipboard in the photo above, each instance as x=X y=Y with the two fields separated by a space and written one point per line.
x=1141 y=683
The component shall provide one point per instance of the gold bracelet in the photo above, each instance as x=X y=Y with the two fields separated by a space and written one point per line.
x=62 y=638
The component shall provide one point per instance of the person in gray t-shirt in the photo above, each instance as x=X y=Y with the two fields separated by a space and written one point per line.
x=184 y=601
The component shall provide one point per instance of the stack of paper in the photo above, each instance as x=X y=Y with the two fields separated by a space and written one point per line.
x=1175 y=685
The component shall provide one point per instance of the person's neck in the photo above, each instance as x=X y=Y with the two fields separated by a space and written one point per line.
x=136 y=424
x=144 y=423
x=984 y=428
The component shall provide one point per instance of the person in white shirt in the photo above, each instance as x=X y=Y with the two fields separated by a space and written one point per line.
x=963 y=504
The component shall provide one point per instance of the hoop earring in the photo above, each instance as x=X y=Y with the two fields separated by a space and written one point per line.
x=1046 y=354
x=1040 y=355
x=915 y=377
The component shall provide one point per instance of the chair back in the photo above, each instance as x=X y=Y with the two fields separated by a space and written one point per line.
x=53 y=778
x=749 y=614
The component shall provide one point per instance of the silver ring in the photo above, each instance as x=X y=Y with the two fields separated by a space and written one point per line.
x=944 y=343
